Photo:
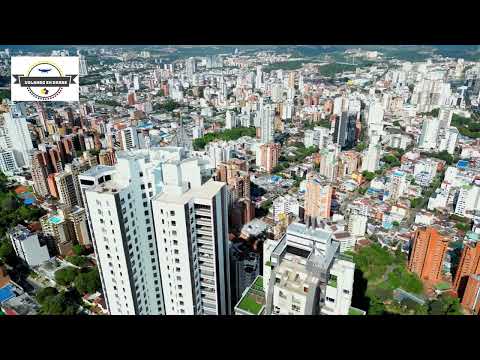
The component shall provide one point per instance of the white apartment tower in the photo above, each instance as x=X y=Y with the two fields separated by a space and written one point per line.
x=18 y=135
x=307 y=275
x=121 y=224
x=267 y=118
x=191 y=226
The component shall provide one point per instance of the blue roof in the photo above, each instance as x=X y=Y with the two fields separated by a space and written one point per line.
x=462 y=164
x=29 y=201
x=6 y=293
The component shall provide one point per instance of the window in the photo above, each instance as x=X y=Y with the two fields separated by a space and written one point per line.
x=150 y=238
x=146 y=212
x=145 y=204
x=149 y=185
x=152 y=252
x=172 y=213
x=150 y=194
x=174 y=232
x=141 y=174
x=142 y=186
x=174 y=223
x=330 y=299
x=296 y=308
x=175 y=251
x=147 y=221
x=144 y=196
x=346 y=291
x=151 y=245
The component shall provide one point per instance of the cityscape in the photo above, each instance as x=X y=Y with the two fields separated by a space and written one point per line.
x=244 y=180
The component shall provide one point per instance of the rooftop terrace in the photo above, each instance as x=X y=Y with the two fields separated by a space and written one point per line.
x=253 y=300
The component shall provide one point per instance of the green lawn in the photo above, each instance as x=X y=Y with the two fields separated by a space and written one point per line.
x=355 y=311
x=443 y=286
x=249 y=304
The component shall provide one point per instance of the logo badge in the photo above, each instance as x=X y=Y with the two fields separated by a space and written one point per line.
x=53 y=78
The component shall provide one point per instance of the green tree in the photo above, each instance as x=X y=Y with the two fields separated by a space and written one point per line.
x=60 y=304
x=66 y=275
x=45 y=293
x=88 y=282
x=368 y=175
x=79 y=250
x=76 y=260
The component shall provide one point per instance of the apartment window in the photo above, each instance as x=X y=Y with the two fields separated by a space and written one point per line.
x=145 y=204
x=296 y=308
x=172 y=213
x=142 y=186
x=155 y=275
x=149 y=185
x=150 y=194
x=179 y=287
x=152 y=252
x=330 y=299
x=101 y=221
x=177 y=269
x=175 y=242
x=144 y=196
x=141 y=174
x=174 y=223
x=128 y=196
x=106 y=247
x=177 y=261
x=346 y=291
x=146 y=212
x=130 y=206
x=163 y=221
x=175 y=251
x=150 y=237
x=174 y=232
x=153 y=260
x=181 y=303
x=179 y=278
x=147 y=221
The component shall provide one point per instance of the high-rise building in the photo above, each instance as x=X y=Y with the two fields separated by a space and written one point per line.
x=375 y=118
x=244 y=268
x=8 y=164
x=318 y=200
x=445 y=115
x=129 y=138
x=469 y=264
x=428 y=253
x=428 y=138
x=18 y=134
x=307 y=275
x=267 y=117
x=28 y=246
x=191 y=229
x=122 y=230
x=396 y=186
x=190 y=66
x=68 y=188
x=471 y=297
x=39 y=172
x=267 y=156
x=83 y=66
x=371 y=158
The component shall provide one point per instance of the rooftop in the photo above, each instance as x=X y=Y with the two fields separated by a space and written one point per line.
x=253 y=300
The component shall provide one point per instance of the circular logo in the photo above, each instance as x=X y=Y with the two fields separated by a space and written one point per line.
x=45 y=70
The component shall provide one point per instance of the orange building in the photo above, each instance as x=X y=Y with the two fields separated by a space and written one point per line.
x=318 y=199
x=471 y=297
x=328 y=106
x=4 y=278
x=469 y=265
x=428 y=252
x=268 y=156
x=52 y=185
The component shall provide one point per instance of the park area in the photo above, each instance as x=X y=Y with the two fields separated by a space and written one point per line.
x=380 y=272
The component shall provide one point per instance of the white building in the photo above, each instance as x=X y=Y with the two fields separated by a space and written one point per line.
x=121 y=224
x=218 y=152
x=428 y=138
x=191 y=226
x=308 y=275
x=18 y=135
x=375 y=118
x=357 y=224
x=27 y=246
x=396 y=186
x=267 y=116
x=129 y=138
x=468 y=200
x=231 y=120
x=448 y=140
x=8 y=164
x=371 y=158
x=284 y=206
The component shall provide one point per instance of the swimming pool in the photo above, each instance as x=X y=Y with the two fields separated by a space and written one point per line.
x=55 y=220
